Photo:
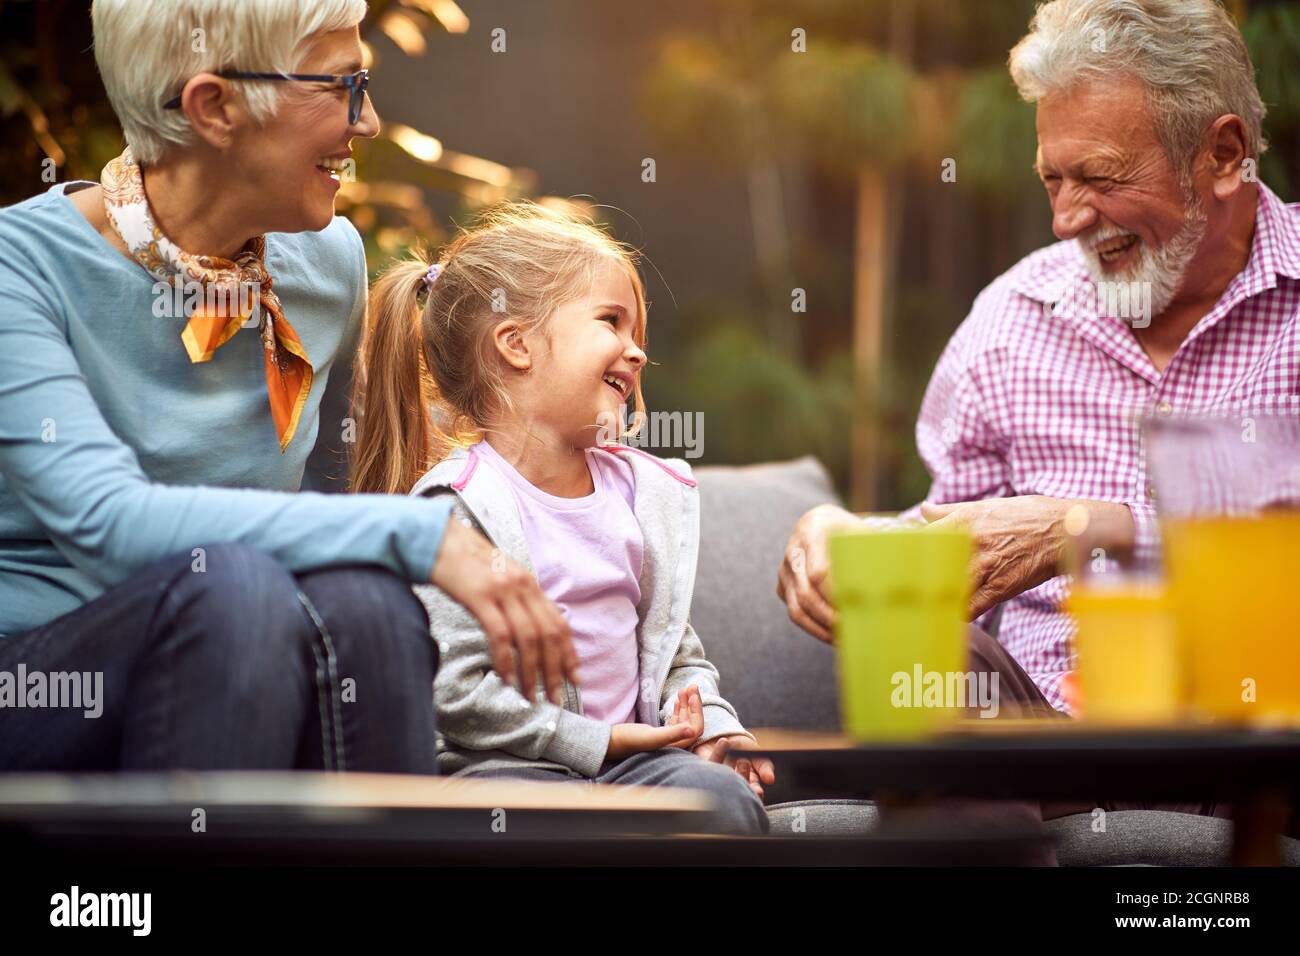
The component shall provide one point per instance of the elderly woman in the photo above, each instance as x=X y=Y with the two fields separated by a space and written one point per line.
x=176 y=344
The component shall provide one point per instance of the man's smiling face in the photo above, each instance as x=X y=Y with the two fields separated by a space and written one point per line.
x=1113 y=189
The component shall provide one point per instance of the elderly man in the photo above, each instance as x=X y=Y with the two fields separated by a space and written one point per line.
x=1149 y=132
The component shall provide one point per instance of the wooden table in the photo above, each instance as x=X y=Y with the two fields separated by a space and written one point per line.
x=447 y=807
x=319 y=819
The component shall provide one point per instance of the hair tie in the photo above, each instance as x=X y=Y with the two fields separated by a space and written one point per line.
x=431 y=276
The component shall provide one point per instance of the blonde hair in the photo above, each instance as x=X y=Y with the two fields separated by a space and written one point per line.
x=430 y=378
x=148 y=49
x=1188 y=54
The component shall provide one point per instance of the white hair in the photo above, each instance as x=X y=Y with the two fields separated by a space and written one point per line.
x=1188 y=53
x=148 y=49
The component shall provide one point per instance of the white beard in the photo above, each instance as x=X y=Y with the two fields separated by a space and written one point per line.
x=1164 y=267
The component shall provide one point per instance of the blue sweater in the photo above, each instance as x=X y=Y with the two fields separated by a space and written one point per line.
x=116 y=451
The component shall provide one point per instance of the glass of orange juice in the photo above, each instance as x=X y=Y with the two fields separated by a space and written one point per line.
x=1236 y=591
x=1126 y=650
x=1228 y=492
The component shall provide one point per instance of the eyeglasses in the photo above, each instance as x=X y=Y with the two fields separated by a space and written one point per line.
x=355 y=82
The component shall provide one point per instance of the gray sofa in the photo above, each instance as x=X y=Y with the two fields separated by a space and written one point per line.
x=778 y=676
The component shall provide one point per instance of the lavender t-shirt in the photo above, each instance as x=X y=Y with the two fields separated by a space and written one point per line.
x=587 y=553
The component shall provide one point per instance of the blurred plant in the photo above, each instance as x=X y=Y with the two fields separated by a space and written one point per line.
x=55 y=121
x=756 y=93
x=1273 y=34
x=403 y=164
x=996 y=130
x=840 y=90
x=757 y=404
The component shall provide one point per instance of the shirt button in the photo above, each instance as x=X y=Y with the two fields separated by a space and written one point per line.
x=551 y=726
x=1164 y=408
x=1151 y=492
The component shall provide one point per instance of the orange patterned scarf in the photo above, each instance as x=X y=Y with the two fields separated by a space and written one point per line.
x=221 y=289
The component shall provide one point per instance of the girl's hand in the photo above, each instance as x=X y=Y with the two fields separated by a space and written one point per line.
x=756 y=770
x=628 y=739
x=514 y=612
x=689 y=709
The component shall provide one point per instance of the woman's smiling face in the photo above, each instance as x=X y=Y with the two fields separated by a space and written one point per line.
x=294 y=162
x=587 y=361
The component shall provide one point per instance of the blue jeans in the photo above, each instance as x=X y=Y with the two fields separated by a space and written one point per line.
x=228 y=661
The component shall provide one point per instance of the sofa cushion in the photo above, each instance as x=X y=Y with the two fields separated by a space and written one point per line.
x=775 y=674
x=1150 y=837
x=847 y=818
x=1131 y=838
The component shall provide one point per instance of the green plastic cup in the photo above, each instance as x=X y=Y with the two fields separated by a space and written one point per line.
x=901 y=593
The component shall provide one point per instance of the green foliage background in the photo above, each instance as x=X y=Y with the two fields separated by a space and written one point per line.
x=899 y=85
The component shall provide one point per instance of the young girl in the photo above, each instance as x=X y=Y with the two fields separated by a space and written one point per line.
x=527 y=339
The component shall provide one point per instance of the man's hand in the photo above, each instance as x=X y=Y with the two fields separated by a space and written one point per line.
x=756 y=771
x=1018 y=541
x=510 y=605
x=802 y=581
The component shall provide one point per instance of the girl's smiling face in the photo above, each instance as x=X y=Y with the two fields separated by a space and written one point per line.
x=583 y=362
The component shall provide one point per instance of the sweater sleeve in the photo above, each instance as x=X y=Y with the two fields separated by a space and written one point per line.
x=86 y=488
x=690 y=666
x=327 y=467
x=479 y=711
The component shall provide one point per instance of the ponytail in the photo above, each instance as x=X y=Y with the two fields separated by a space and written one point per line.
x=393 y=392
x=428 y=377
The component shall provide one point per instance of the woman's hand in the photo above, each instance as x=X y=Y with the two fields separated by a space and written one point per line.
x=755 y=770
x=802 y=583
x=514 y=612
x=628 y=739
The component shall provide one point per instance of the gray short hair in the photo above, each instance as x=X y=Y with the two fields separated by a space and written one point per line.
x=1188 y=53
x=148 y=49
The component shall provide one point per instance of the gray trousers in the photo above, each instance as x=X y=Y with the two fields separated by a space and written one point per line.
x=737 y=811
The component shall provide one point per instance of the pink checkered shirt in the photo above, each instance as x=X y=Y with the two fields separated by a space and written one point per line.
x=1039 y=393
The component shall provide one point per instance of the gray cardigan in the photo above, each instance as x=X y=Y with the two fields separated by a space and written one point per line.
x=484 y=723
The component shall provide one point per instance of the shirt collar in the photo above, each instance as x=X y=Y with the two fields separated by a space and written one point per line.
x=1277 y=235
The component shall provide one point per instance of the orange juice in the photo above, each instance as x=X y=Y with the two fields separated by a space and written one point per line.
x=1235 y=589
x=1128 y=655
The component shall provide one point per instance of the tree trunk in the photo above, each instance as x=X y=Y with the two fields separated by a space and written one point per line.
x=772 y=251
x=870 y=259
